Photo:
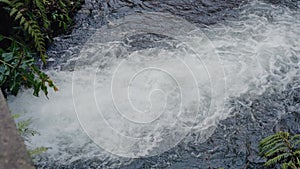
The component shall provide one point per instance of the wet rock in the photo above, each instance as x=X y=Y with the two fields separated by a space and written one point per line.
x=13 y=151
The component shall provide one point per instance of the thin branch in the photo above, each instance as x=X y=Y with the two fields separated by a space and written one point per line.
x=2 y=61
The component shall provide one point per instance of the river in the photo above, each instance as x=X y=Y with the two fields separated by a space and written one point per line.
x=168 y=84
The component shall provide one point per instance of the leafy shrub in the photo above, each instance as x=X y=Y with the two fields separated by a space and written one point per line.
x=281 y=148
x=28 y=26
x=18 y=69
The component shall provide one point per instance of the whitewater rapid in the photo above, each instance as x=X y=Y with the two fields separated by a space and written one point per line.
x=123 y=100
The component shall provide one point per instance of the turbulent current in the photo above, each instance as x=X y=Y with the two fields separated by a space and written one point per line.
x=172 y=85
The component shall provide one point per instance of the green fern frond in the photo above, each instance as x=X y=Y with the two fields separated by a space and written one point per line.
x=270 y=139
x=41 y=6
x=18 y=4
x=281 y=148
x=297 y=143
x=13 y=11
x=38 y=150
x=276 y=149
x=265 y=148
x=29 y=25
x=297 y=136
x=33 y=29
x=6 y=2
x=276 y=159
x=18 y=16
x=22 y=21
x=283 y=135
x=288 y=164
x=285 y=166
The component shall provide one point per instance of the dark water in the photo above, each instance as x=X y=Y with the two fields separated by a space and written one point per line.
x=98 y=13
x=252 y=116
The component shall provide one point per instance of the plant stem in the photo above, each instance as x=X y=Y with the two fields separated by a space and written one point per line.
x=2 y=61
x=290 y=148
x=14 y=40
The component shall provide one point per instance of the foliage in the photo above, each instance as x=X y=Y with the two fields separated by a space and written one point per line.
x=38 y=150
x=28 y=26
x=23 y=128
x=19 y=69
x=22 y=14
x=281 y=148
x=26 y=132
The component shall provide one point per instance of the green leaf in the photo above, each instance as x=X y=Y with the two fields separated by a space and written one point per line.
x=15 y=116
x=2 y=69
x=279 y=148
x=1 y=37
x=276 y=150
x=19 y=15
x=18 y=4
x=265 y=148
x=13 y=11
x=6 y=2
x=297 y=136
x=22 y=21
x=7 y=70
x=296 y=143
x=276 y=159
x=37 y=151
x=7 y=57
x=285 y=166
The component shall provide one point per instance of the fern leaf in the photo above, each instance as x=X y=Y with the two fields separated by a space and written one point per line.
x=296 y=143
x=297 y=136
x=297 y=153
x=13 y=11
x=22 y=21
x=18 y=16
x=26 y=25
x=267 y=147
x=18 y=5
x=285 y=166
x=275 y=150
x=31 y=26
x=271 y=138
x=284 y=134
x=276 y=159
x=281 y=148
x=38 y=150
x=292 y=165
x=6 y=2
x=268 y=141
x=33 y=29
x=30 y=31
x=41 y=6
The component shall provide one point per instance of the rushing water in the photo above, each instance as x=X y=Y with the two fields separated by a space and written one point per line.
x=204 y=92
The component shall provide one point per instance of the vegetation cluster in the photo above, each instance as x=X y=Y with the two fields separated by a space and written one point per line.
x=27 y=28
